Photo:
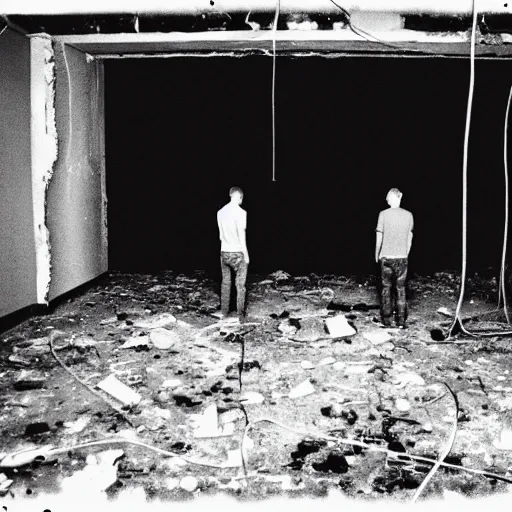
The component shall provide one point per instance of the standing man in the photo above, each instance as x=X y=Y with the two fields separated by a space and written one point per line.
x=394 y=240
x=232 y=222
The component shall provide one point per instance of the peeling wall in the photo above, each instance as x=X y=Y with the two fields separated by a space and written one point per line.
x=17 y=249
x=76 y=195
x=44 y=153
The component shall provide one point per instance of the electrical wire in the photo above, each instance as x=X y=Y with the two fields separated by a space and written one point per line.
x=502 y=290
x=274 y=34
x=4 y=29
x=457 y=324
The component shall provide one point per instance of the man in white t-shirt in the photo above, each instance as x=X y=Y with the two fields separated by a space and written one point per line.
x=232 y=222
x=394 y=239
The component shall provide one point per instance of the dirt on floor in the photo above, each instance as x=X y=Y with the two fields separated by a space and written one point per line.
x=353 y=410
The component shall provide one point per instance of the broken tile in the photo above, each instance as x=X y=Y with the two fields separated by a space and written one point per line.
x=252 y=397
x=402 y=404
x=136 y=341
x=29 y=379
x=163 y=339
x=311 y=330
x=74 y=427
x=327 y=361
x=171 y=383
x=339 y=327
x=120 y=391
x=155 y=321
x=376 y=337
x=207 y=424
x=305 y=388
x=505 y=440
x=405 y=378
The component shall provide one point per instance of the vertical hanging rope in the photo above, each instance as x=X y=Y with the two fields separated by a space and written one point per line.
x=465 y=175
x=274 y=30
x=502 y=287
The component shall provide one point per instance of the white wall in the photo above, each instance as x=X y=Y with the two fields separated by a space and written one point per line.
x=17 y=247
x=76 y=205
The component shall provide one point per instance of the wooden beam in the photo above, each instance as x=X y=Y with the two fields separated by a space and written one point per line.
x=291 y=41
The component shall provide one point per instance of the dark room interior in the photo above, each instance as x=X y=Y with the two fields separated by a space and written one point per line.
x=181 y=131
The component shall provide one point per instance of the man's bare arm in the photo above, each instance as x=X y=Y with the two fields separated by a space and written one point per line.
x=409 y=242
x=378 y=246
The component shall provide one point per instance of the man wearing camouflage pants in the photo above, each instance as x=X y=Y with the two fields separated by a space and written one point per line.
x=232 y=222
x=394 y=239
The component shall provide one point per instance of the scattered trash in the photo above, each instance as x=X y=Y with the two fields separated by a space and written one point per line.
x=83 y=342
x=156 y=417
x=280 y=275
x=252 y=397
x=19 y=360
x=305 y=388
x=402 y=404
x=427 y=427
x=189 y=483
x=287 y=329
x=265 y=282
x=311 y=329
x=307 y=365
x=94 y=478
x=339 y=327
x=172 y=483
x=120 y=391
x=29 y=379
x=469 y=362
x=136 y=342
x=335 y=463
x=206 y=425
x=326 y=361
x=163 y=339
x=340 y=365
x=171 y=383
x=155 y=322
x=75 y=427
x=5 y=483
x=234 y=459
x=358 y=368
x=445 y=312
x=332 y=411
x=408 y=378
x=505 y=440
x=376 y=337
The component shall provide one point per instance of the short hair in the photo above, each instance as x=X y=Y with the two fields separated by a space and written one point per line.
x=234 y=190
x=394 y=192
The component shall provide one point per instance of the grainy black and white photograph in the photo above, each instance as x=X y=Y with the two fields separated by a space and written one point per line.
x=255 y=253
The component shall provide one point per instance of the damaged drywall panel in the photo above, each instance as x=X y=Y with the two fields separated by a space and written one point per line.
x=17 y=250
x=75 y=201
x=44 y=153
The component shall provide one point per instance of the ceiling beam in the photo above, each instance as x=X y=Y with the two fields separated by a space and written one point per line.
x=441 y=7
x=289 y=41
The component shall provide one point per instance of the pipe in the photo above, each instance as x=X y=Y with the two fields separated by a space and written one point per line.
x=439 y=7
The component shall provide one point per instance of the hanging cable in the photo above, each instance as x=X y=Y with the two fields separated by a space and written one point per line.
x=274 y=34
x=502 y=290
x=457 y=324
x=456 y=319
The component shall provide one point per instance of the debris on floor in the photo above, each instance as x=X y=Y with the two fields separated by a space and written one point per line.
x=119 y=391
x=193 y=387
